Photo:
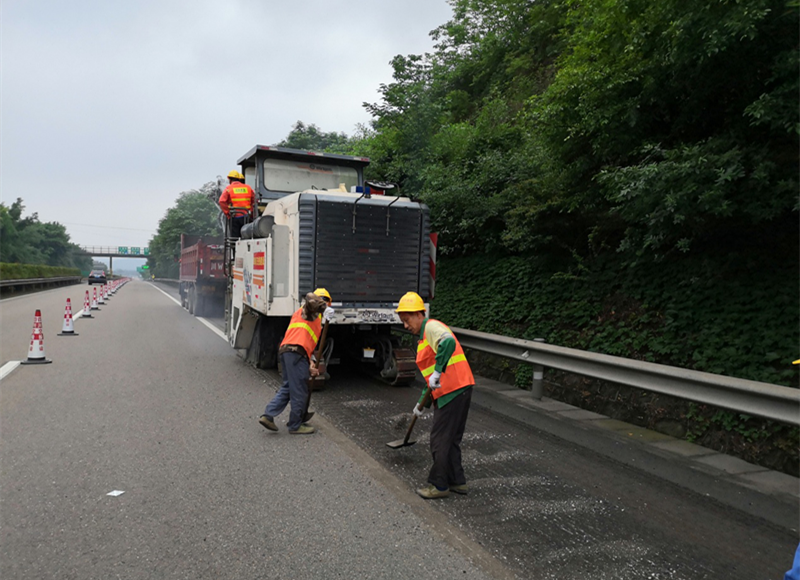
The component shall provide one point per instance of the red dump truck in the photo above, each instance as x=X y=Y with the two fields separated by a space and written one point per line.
x=202 y=278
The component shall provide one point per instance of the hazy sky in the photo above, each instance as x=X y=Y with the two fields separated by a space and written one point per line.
x=110 y=109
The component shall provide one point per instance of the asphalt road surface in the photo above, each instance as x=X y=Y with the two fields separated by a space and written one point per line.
x=150 y=401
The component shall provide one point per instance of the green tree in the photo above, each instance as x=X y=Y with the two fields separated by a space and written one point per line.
x=667 y=125
x=29 y=241
x=449 y=125
x=196 y=213
x=311 y=138
x=579 y=127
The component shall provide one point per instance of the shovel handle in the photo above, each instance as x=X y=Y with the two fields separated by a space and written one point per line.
x=408 y=433
x=414 y=418
x=311 y=380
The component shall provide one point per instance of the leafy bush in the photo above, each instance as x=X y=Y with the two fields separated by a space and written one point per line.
x=733 y=314
x=23 y=271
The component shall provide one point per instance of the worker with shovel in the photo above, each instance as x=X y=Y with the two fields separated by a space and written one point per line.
x=449 y=380
x=295 y=353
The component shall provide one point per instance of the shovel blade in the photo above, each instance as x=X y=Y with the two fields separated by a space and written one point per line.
x=400 y=443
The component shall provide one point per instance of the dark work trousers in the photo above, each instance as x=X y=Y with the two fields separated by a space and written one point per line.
x=236 y=226
x=294 y=369
x=446 y=434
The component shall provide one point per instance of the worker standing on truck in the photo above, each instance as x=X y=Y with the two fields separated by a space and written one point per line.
x=296 y=352
x=441 y=360
x=237 y=202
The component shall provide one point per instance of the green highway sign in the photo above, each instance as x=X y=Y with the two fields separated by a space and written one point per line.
x=123 y=249
x=135 y=250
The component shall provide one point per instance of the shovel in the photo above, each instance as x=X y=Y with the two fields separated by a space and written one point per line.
x=319 y=380
x=405 y=441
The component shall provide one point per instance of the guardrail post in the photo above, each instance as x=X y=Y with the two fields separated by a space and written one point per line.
x=537 y=385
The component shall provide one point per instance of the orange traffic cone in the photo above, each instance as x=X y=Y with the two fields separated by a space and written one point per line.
x=68 y=328
x=94 y=299
x=87 y=307
x=36 y=350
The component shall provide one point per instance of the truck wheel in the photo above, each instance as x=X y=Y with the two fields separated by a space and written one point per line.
x=199 y=305
x=263 y=350
x=191 y=300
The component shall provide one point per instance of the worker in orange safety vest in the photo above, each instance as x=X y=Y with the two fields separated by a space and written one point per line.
x=238 y=199
x=296 y=352
x=447 y=374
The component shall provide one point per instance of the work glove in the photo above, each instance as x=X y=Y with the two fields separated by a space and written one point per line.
x=418 y=411
x=327 y=315
x=433 y=382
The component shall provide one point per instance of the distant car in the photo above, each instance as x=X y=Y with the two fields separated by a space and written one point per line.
x=97 y=276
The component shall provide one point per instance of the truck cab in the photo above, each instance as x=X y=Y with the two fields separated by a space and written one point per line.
x=274 y=172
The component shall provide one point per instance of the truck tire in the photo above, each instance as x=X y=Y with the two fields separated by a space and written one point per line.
x=191 y=300
x=200 y=305
x=263 y=350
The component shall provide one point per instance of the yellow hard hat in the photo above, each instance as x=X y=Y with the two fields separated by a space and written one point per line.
x=240 y=176
x=234 y=174
x=322 y=293
x=411 y=302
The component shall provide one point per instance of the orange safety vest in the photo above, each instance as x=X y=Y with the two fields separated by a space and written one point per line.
x=458 y=374
x=302 y=332
x=237 y=195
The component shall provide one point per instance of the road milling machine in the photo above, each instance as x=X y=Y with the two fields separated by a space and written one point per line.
x=320 y=225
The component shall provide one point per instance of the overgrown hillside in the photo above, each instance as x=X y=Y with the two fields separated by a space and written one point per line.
x=731 y=311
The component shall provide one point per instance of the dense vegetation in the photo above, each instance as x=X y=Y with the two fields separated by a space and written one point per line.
x=26 y=240
x=575 y=129
x=23 y=271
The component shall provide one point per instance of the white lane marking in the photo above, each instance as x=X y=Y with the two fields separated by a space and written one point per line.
x=216 y=330
x=115 y=493
x=6 y=369
x=167 y=295
x=77 y=315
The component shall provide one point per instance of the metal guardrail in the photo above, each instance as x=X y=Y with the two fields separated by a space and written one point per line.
x=55 y=281
x=766 y=400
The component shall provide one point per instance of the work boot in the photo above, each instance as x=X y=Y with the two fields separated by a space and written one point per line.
x=430 y=492
x=462 y=489
x=267 y=423
x=304 y=429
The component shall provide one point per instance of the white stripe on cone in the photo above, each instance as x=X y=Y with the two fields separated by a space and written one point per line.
x=87 y=305
x=68 y=328
x=36 y=348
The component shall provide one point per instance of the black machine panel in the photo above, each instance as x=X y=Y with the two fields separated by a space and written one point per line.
x=360 y=258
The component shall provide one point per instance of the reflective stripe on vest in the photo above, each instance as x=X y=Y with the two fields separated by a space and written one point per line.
x=303 y=332
x=458 y=372
x=241 y=197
